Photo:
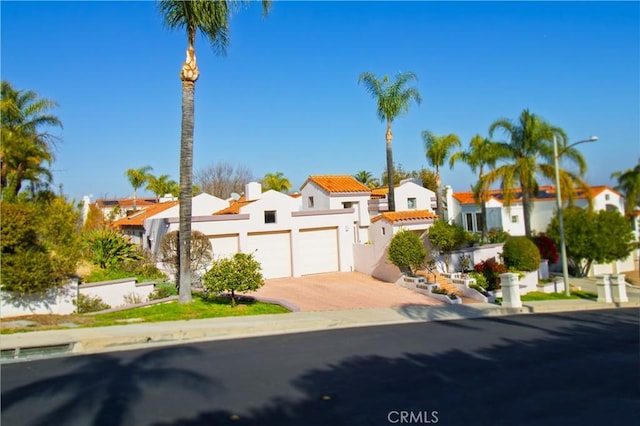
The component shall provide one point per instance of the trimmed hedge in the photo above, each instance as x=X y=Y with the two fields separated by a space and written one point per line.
x=521 y=254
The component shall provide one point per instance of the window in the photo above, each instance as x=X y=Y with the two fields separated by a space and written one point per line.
x=270 y=216
x=469 y=220
x=606 y=197
x=384 y=231
x=514 y=219
x=347 y=204
x=479 y=222
x=310 y=202
x=411 y=203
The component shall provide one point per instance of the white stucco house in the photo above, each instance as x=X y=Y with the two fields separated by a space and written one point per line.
x=285 y=239
x=293 y=235
x=463 y=210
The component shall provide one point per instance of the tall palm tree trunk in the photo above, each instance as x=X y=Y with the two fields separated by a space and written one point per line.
x=188 y=75
x=135 y=200
x=439 y=209
x=390 y=174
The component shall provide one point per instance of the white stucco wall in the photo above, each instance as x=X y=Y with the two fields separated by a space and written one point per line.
x=411 y=190
x=113 y=293
x=57 y=301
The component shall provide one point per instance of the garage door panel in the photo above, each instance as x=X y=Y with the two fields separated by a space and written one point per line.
x=273 y=251
x=224 y=246
x=318 y=251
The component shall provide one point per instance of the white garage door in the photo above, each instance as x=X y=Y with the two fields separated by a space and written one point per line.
x=224 y=246
x=273 y=251
x=318 y=251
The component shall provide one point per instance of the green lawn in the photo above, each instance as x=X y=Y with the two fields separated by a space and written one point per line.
x=170 y=311
x=575 y=294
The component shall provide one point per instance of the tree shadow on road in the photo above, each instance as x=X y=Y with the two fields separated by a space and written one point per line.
x=105 y=387
x=515 y=381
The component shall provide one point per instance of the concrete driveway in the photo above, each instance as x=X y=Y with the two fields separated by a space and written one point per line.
x=340 y=290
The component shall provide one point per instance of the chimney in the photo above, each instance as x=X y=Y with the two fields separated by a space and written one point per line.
x=253 y=191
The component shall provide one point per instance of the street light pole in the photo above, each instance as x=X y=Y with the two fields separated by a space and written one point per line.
x=563 y=247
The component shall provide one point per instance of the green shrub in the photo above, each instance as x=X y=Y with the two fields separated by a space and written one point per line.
x=87 y=304
x=496 y=235
x=39 y=245
x=481 y=281
x=520 y=253
x=163 y=290
x=108 y=248
x=239 y=273
x=406 y=251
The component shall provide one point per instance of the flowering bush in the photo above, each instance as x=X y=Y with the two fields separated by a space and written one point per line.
x=491 y=271
x=547 y=248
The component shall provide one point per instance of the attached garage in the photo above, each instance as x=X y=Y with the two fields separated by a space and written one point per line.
x=273 y=251
x=224 y=245
x=318 y=251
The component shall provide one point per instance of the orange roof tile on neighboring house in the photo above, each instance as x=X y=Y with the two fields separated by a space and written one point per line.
x=405 y=215
x=124 y=202
x=379 y=192
x=235 y=206
x=338 y=183
x=138 y=218
x=546 y=192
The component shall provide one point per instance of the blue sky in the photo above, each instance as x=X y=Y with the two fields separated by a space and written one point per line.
x=286 y=98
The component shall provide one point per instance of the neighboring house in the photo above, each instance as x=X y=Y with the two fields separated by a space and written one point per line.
x=133 y=225
x=408 y=196
x=464 y=211
x=114 y=209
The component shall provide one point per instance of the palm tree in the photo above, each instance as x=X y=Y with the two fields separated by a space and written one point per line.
x=161 y=185
x=629 y=185
x=367 y=179
x=276 y=181
x=530 y=139
x=211 y=19
x=482 y=152
x=437 y=150
x=137 y=178
x=393 y=99
x=25 y=145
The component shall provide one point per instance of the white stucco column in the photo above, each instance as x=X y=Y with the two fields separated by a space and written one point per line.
x=510 y=290
x=543 y=271
x=619 y=288
x=603 y=284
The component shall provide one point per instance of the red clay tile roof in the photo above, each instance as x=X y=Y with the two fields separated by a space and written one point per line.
x=545 y=193
x=138 y=218
x=379 y=192
x=405 y=215
x=235 y=206
x=338 y=183
x=124 y=202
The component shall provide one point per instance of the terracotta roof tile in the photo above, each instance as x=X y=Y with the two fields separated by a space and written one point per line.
x=235 y=206
x=138 y=218
x=405 y=215
x=338 y=183
x=544 y=193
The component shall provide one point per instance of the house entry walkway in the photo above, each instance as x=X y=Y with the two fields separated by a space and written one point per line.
x=339 y=291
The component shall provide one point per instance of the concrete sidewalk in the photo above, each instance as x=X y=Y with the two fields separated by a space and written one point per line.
x=137 y=336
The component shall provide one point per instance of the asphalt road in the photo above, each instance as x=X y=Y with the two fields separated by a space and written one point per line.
x=577 y=368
